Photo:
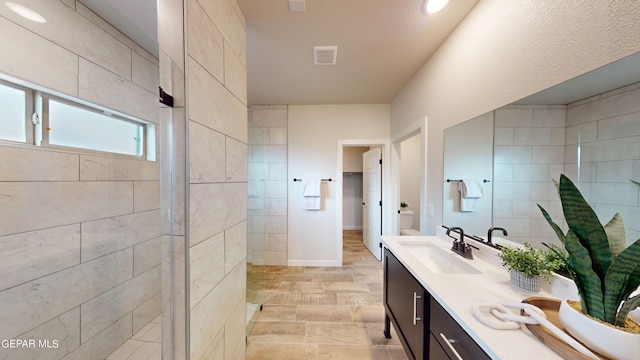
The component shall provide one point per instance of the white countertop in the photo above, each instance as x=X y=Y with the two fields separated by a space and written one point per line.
x=458 y=292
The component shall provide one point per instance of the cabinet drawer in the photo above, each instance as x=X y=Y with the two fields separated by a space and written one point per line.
x=442 y=325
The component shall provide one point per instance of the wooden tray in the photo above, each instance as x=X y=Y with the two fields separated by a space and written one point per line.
x=550 y=308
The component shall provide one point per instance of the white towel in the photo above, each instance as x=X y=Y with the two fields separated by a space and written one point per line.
x=470 y=191
x=311 y=194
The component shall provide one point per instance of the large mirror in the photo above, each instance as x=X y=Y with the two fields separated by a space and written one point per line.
x=587 y=128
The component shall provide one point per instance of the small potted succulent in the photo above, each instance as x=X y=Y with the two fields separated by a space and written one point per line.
x=527 y=266
x=606 y=273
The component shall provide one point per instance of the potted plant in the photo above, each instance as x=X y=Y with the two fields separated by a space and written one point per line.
x=404 y=205
x=527 y=265
x=606 y=273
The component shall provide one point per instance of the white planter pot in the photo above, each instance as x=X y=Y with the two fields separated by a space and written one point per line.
x=606 y=340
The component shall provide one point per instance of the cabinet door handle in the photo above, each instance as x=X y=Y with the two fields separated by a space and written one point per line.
x=415 y=308
x=449 y=342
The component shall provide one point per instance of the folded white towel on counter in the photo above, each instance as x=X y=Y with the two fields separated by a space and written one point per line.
x=470 y=191
x=311 y=194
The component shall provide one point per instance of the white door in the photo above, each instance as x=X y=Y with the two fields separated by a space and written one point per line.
x=372 y=201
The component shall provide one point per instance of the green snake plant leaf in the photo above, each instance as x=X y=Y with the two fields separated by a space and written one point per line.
x=554 y=226
x=587 y=280
x=615 y=233
x=584 y=222
x=630 y=304
x=617 y=280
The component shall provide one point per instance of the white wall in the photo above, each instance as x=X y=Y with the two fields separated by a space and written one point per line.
x=314 y=132
x=503 y=51
x=410 y=176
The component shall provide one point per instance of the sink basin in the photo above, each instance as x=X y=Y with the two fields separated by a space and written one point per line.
x=437 y=259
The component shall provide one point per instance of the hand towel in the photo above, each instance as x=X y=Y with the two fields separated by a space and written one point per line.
x=470 y=191
x=311 y=194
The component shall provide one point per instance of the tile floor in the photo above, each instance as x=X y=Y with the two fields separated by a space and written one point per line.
x=325 y=312
x=144 y=345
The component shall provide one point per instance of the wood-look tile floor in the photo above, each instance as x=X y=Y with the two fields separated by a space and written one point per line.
x=322 y=313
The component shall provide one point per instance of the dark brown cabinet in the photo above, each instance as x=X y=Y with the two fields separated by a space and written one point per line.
x=406 y=304
x=425 y=329
x=453 y=340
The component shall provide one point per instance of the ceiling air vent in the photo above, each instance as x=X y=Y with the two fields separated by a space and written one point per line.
x=296 y=6
x=325 y=55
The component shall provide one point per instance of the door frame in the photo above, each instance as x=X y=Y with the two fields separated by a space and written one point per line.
x=426 y=209
x=388 y=219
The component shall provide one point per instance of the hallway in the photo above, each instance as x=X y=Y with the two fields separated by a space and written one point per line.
x=325 y=312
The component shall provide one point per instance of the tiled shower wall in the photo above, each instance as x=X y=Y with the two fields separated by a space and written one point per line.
x=607 y=128
x=529 y=148
x=268 y=184
x=79 y=233
x=217 y=200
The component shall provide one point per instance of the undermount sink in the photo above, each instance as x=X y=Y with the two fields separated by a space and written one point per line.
x=437 y=259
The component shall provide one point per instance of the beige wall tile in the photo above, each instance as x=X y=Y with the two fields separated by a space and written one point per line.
x=146 y=255
x=215 y=207
x=109 y=168
x=104 y=310
x=235 y=330
x=30 y=57
x=235 y=246
x=213 y=106
x=203 y=276
x=63 y=328
x=105 y=343
x=265 y=118
x=146 y=195
x=207 y=154
x=147 y=311
x=77 y=34
x=28 y=256
x=210 y=314
x=36 y=302
x=144 y=72
x=37 y=165
x=102 y=87
x=206 y=44
x=37 y=205
x=236 y=160
x=228 y=18
x=215 y=350
x=235 y=74
x=101 y=23
x=104 y=236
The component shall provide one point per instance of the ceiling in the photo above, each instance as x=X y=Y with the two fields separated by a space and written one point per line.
x=381 y=45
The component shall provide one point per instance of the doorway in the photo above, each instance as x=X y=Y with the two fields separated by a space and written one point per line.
x=351 y=210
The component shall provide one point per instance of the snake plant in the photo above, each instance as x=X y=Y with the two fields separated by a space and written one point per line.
x=605 y=271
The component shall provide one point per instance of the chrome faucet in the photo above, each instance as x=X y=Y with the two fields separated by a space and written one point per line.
x=459 y=246
x=491 y=230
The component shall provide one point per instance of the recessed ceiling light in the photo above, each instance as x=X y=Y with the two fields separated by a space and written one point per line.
x=433 y=6
x=25 y=12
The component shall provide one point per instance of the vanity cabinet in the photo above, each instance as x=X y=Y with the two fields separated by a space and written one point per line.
x=451 y=338
x=406 y=303
x=425 y=329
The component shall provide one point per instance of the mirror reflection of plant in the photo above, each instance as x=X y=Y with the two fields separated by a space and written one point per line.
x=529 y=261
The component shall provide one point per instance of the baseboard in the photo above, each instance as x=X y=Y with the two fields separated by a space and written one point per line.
x=313 y=263
x=352 y=227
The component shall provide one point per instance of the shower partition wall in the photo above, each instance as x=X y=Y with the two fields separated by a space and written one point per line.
x=256 y=212
x=80 y=231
